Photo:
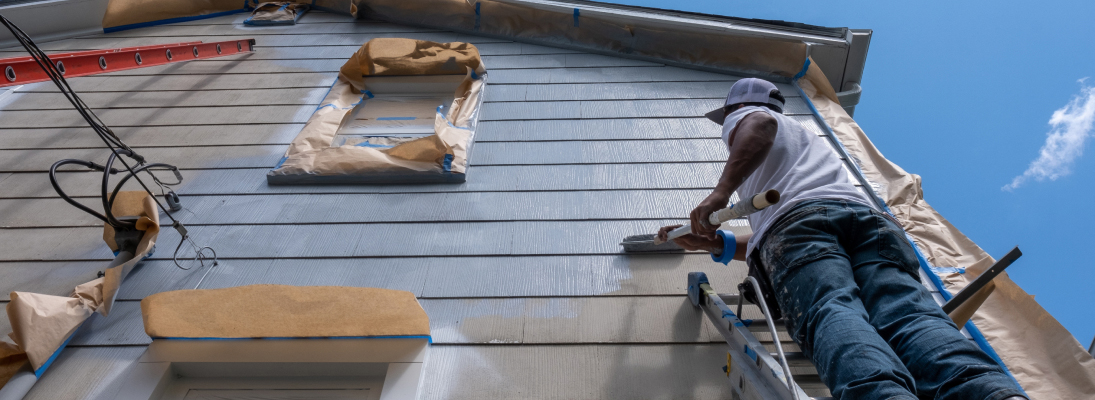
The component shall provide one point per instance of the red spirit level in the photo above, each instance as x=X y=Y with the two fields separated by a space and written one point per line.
x=23 y=70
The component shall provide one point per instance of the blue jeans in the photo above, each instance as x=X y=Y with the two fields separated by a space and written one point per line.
x=847 y=282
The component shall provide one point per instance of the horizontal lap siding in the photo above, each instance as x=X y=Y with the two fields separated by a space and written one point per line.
x=493 y=154
x=519 y=268
x=435 y=277
x=426 y=238
x=393 y=207
x=267 y=133
x=481 y=178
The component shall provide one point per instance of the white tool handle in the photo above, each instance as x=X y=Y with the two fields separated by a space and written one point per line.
x=759 y=202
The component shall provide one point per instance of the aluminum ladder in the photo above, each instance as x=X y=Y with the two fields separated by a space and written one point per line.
x=753 y=372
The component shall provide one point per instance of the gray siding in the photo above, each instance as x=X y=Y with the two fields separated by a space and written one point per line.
x=519 y=268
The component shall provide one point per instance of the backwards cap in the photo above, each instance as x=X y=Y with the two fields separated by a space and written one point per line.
x=749 y=90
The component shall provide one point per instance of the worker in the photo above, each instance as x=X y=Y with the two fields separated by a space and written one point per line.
x=838 y=269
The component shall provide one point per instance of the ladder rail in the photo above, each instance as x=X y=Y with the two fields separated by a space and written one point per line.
x=747 y=359
x=771 y=329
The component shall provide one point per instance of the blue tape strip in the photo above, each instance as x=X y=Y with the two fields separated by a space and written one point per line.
x=802 y=73
x=477 y=15
x=395 y=119
x=429 y=338
x=447 y=164
x=172 y=20
x=729 y=247
x=924 y=264
x=749 y=352
x=375 y=146
x=41 y=370
x=577 y=13
x=325 y=96
x=948 y=270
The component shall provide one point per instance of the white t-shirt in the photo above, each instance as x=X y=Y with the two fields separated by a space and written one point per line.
x=801 y=166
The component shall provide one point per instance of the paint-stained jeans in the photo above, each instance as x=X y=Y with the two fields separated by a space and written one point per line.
x=847 y=282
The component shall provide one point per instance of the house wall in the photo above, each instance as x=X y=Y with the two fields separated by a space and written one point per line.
x=519 y=268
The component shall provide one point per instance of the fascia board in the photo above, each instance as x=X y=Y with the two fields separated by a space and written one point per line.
x=701 y=24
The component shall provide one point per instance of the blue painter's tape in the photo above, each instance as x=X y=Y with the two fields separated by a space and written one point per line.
x=41 y=370
x=477 y=15
x=749 y=352
x=281 y=162
x=474 y=75
x=325 y=94
x=802 y=73
x=172 y=20
x=450 y=123
x=395 y=119
x=577 y=13
x=429 y=338
x=376 y=146
x=747 y=322
x=447 y=164
x=370 y=94
x=729 y=247
x=924 y=264
x=948 y=270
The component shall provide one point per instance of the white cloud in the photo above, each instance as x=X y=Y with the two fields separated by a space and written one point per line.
x=1070 y=127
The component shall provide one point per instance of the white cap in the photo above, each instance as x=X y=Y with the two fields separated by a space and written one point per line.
x=749 y=90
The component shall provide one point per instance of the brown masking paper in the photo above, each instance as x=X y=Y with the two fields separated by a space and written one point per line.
x=41 y=323
x=12 y=359
x=694 y=44
x=264 y=311
x=277 y=13
x=127 y=12
x=1042 y=355
x=311 y=153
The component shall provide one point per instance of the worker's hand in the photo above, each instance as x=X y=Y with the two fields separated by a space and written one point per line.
x=692 y=242
x=701 y=227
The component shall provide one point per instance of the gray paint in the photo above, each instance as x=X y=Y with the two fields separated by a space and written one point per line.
x=392 y=207
x=435 y=277
x=350 y=240
x=259 y=134
x=481 y=178
x=519 y=268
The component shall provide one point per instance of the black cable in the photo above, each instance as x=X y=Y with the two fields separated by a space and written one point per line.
x=115 y=144
x=57 y=187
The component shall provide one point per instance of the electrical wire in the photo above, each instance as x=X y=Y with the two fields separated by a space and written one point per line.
x=116 y=146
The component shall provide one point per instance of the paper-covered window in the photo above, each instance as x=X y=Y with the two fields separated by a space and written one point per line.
x=401 y=111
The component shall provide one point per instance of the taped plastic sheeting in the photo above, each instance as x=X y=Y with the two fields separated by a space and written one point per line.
x=1042 y=355
x=276 y=13
x=280 y=311
x=315 y=157
x=42 y=324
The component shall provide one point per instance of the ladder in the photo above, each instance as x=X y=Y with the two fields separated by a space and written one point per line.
x=24 y=70
x=753 y=372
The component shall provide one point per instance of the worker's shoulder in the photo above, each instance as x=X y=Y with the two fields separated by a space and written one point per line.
x=761 y=119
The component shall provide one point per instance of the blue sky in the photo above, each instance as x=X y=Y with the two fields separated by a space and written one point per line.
x=961 y=93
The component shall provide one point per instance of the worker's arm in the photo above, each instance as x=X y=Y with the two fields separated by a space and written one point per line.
x=714 y=246
x=749 y=143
